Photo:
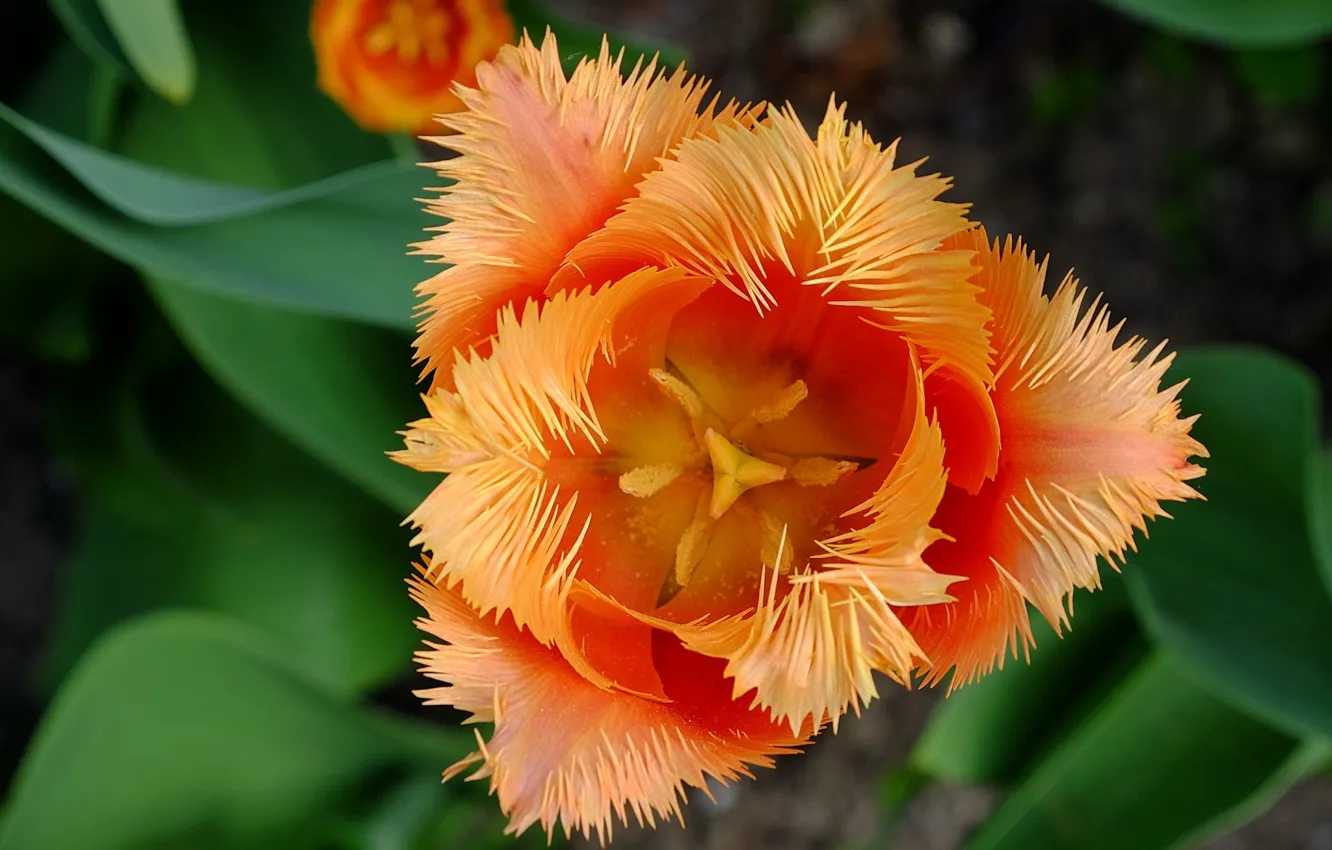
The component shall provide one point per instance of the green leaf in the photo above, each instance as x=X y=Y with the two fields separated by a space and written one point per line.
x=991 y=731
x=59 y=92
x=147 y=194
x=1320 y=500
x=1236 y=23
x=418 y=813
x=338 y=253
x=257 y=118
x=186 y=729
x=1232 y=584
x=1309 y=758
x=340 y=391
x=193 y=503
x=152 y=36
x=87 y=28
x=45 y=279
x=1161 y=757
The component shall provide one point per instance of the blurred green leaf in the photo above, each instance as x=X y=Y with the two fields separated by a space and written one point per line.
x=83 y=21
x=147 y=194
x=1231 y=583
x=1236 y=23
x=339 y=390
x=1320 y=501
x=578 y=39
x=1284 y=78
x=991 y=731
x=257 y=118
x=400 y=818
x=1311 y=757
x=418 y=813
x=342 y=253
x=60 y=92
x=193 y=503
x=1160 y=757
x=186 y=729
x=45 y=279
x=166 y=199
x=103 y=98
x=152 y=37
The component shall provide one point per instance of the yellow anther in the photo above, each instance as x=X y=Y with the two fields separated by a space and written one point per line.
x=690 y=550
x=680 y=392
x=777 y=409
x=734 y=472
x=781 y=407
x=820 y=471
x=693 y=543
x=646 y=481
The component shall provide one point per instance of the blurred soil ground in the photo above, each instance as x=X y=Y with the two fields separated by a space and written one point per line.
x=1201 y=213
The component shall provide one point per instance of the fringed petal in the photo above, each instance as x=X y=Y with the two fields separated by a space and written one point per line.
x=840 y=216
x=544 y=161
x=1091 y=448
x=564 y=751
x=497 y=526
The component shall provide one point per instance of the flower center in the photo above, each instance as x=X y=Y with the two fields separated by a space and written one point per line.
x=411 y=29
x=735 y=470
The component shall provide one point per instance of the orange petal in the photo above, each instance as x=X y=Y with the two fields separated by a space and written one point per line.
x=566 y=751
x=497 y=526
x=810 y=655
x=544 y=162
x=838 y=214
x=1091 y=447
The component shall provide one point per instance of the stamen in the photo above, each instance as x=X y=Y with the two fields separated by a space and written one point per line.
x=693 y=543
x=775 y=410
x=781 y=407
x=820 y=471
x=646 y=481
x=734 y=472
x=680 y=392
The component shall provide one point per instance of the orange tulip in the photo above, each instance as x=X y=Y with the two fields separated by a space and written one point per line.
x=732 y=418
x=391 y=64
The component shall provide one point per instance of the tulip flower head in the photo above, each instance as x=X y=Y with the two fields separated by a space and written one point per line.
x=733 y=417
x=392 y=64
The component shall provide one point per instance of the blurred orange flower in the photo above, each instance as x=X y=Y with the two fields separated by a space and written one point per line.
x=391 y=64
x=733 y=418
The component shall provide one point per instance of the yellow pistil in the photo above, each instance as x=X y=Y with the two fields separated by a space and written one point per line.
x=411 y=28
x=734 y=472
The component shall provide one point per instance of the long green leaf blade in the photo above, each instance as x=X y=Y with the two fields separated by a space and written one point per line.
x=153 y=38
